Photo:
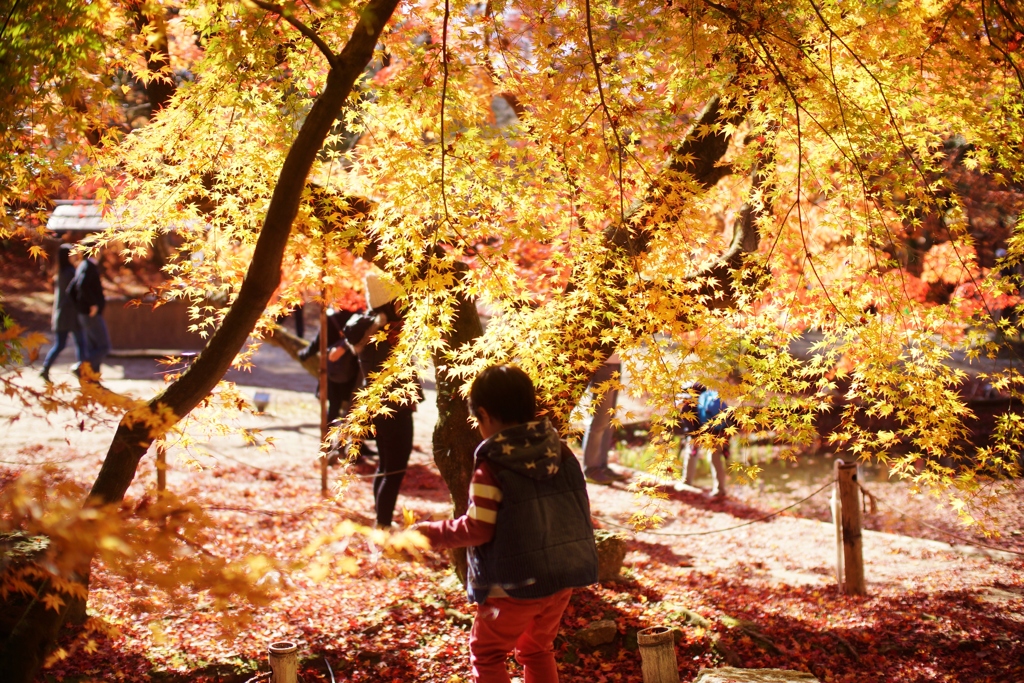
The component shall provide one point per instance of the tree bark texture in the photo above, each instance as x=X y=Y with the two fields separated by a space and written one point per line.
x=134 y=433
x=850 y=515
x=454 y=440
x=322 y=384
x=292 y=344
x=658 y=655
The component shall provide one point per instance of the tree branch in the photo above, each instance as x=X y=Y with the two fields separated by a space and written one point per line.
x=302 y=28
x=138 y=429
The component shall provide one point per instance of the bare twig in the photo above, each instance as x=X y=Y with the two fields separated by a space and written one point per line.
x=302 y=28
x=611 y=120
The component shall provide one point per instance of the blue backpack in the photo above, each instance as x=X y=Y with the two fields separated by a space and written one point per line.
x=709 y=405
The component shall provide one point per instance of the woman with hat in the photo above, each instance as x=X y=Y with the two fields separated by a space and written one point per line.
x=394 y=431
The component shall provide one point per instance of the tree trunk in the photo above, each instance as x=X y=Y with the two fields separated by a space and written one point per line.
x=158 y=60
x=134 y=436
x=292 y=344
x=699 y=157
x=454 y=439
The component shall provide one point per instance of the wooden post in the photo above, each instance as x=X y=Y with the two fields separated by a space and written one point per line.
x=853 y=556
x=284 y=662
x=837 y=522
x=658 y=655
x=161 y=466
x=323 y=391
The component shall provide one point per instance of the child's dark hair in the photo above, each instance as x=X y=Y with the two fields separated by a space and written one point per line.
x=506 y=393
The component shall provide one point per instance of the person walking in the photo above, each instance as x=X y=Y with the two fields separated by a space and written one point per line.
x=86 y=292
x=528 y=532
x=64 y=319
x=597 y=439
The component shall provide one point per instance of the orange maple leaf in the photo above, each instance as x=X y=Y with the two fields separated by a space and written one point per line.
x=53 y=601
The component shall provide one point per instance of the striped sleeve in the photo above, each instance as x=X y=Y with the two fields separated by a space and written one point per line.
x=476 y=527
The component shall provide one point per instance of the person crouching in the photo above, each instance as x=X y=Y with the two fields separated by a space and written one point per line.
x=528 y=530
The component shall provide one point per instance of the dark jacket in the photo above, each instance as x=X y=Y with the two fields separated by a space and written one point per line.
x=335 y=325
x=85 y=289
x=543 y=537
x=65 y=316
x=360 y=328
x=360 y=331
x=336 y=321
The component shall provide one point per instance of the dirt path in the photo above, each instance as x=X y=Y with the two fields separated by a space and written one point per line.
x=767 y=591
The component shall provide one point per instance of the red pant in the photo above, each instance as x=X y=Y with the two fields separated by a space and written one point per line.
x=528 y=626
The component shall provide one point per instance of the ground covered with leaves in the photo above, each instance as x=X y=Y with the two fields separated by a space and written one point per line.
x=762 y=595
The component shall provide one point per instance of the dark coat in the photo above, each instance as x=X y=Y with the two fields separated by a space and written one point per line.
x=65 y=316
x=335 y=327
x=86 y=289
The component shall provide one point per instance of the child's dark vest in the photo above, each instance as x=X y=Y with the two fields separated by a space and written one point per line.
x=543 y=538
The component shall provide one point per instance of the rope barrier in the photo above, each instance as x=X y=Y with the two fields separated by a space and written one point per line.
x=257 y=511
x=962 y=539
x=301 y=476
x=731 y=528
x=40 y=463
x=345 y=512
x=261 y=469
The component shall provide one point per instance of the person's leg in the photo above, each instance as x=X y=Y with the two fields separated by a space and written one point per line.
x=60 y=340
x=97 y=341
x=84 y=349
x=100 y=345
x=597 y=438
x=80 y=349
x=498 y=627
x=335 y=398
x=394 y=445
x=689 y=456
x=718 y=471
x=535 y=647
x=493 y=636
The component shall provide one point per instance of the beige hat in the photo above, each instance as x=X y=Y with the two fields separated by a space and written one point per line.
x=381 y=288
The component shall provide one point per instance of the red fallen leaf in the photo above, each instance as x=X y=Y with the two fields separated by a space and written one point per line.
x=399 y=615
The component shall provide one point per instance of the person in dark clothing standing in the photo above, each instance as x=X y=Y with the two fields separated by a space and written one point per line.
x=65 y=317
x=343 y=374
x=528 y=531
x=86 y=291
x=394 y=431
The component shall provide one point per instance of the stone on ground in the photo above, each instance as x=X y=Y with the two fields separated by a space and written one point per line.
x=597 y=633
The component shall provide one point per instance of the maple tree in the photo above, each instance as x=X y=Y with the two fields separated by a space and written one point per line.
x=698 y=185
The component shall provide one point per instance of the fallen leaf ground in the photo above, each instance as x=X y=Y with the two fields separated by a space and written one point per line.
x=759 y=596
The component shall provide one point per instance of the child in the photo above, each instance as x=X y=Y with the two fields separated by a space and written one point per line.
x=528 y=531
